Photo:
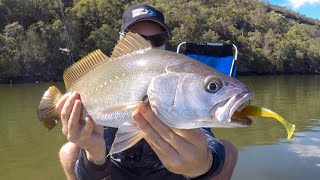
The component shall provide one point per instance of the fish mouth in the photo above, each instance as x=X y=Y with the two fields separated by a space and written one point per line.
x=236 y=116
x=228 y=111
x=240 y=119
x=239 y=102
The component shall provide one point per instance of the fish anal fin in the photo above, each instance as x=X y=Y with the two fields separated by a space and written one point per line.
x=127 y=136
x=83 y=66
x=131 y=42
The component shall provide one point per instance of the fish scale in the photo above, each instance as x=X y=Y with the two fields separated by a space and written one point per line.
x=122 y=90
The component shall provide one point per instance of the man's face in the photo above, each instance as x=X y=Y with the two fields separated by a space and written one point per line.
x=147 y=28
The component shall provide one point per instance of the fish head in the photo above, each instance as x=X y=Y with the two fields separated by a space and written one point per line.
x=196 y=96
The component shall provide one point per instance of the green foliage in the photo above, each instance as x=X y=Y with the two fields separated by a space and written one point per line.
x=270 y=39
x=102 y=38
x=10 y=48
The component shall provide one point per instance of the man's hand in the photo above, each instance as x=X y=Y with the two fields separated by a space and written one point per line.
x=88 y=136
x=181 y=151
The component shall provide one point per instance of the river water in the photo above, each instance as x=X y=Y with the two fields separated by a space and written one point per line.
x=29 y=151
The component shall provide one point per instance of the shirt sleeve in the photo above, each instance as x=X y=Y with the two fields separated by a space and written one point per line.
x=86 y=170
x=218 y=154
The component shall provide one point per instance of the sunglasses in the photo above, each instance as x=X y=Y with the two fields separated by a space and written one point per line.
x=157 y=40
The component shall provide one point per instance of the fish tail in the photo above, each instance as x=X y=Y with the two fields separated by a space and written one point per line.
x=46 y=110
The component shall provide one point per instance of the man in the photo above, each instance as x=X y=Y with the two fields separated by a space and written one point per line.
x=165 y=153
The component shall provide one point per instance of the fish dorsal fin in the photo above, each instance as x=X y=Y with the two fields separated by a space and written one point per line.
x=131 y=42
x=83 y=66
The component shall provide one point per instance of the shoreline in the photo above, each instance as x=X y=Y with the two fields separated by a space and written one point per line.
x=29 y=79
x=37 y=79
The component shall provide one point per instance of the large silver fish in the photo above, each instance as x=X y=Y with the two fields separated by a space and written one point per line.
x=182 y=92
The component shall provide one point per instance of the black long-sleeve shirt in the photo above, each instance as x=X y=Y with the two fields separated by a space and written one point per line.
x=140 y=162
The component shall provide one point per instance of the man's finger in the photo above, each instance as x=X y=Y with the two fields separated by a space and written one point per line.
x=152 y=136
x=73 y=124
x=164 y=158
x=170 y=161
x=62 y=101
x=86 y=131
x=194 y=136
x=164 y=131
x=66 y=111
x=59 y=107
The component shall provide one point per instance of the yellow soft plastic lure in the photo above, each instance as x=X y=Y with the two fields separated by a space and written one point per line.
x=265 y=112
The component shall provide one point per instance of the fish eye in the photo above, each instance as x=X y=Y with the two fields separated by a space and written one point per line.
x=213 y=87
x=212 y=84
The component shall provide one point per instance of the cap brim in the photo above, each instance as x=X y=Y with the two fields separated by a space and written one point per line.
x=149 y=19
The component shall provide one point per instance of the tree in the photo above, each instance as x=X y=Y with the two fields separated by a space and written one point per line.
x=10 y=48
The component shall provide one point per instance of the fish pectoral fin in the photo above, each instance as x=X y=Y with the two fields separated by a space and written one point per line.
x=127 y=135
x=123 y=107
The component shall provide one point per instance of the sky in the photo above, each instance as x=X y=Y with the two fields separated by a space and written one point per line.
x=309 y=8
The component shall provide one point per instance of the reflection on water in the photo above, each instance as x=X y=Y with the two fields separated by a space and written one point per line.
x=29 y=151
x=307 y=144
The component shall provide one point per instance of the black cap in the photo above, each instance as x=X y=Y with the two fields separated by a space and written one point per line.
x=142 y=12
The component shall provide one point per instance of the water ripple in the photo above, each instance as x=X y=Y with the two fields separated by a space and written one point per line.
x=307 y=144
